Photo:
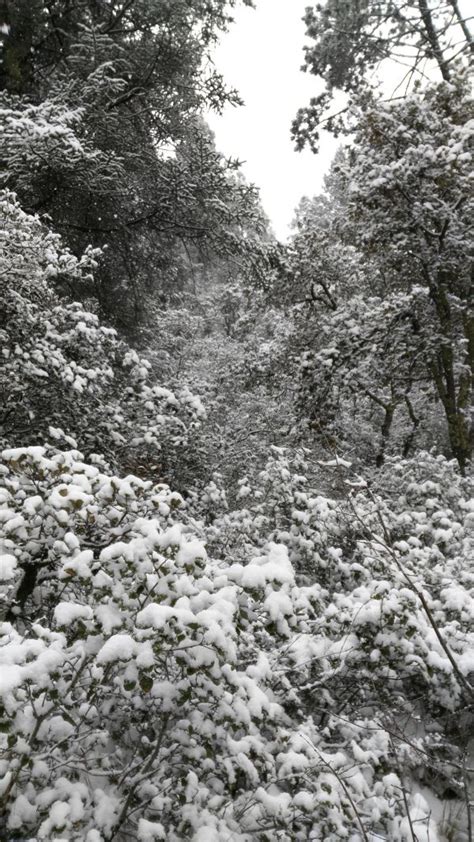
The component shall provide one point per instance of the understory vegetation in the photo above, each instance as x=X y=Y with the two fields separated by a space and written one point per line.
x=236 y=487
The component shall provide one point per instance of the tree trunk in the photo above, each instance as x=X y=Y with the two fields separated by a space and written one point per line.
x=463 y=24
x=386 y=427
x=432 y=38
x=459 y=432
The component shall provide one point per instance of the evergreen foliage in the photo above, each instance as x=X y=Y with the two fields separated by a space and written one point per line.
x=102 y=114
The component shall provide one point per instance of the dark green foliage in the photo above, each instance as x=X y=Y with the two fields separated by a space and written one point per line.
x=132 y=78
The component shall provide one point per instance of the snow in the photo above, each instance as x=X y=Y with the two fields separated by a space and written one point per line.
x=465 y=662
x=274 y=567
x=10 y=677
x=8 y=567
x=278 y=604
x=207 y=833
x=66 y=613
x=160 y=616
x=79 y=565
x=22 y=813
x=275 y=804
x=190 y=551
x=106 y=809
x=107 y=615
x=196 y=651
x=338 y=462
x=58 y=814
x=149 y=831
x=119 y=647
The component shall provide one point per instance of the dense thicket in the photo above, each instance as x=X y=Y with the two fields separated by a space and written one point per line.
x=236 y=581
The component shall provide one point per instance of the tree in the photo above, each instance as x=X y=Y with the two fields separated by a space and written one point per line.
x=131 y=81
x=64 y=374
x=384 y=269
x=409 y=208
x=325 y=270
x=353 y=38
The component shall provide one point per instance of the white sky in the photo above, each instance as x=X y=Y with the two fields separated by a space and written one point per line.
x=261 y=56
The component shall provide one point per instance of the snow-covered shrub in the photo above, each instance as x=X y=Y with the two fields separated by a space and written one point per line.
x=63 y=370
x=137 y=680
x=390 y=567
x=150 y=691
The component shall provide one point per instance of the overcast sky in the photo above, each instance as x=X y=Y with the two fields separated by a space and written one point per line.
x=261 y=56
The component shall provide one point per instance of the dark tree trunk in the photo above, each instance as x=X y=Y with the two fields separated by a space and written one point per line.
x=432 y=37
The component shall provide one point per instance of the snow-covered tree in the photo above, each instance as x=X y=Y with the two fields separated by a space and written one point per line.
x=410 y=207
x=358 y=45
x=64 y=373
x=385 y=322
x=103 y=119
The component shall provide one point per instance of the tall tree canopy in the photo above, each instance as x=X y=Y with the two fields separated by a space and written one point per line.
x=102 y=114
x=391 y=265
x=353 y=38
